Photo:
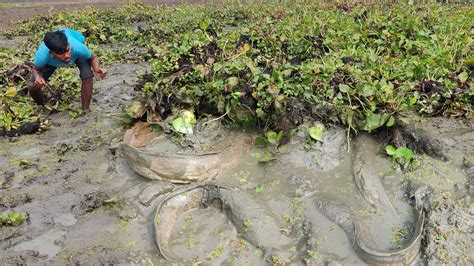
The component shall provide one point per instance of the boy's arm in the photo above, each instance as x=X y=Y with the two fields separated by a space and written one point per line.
x=94 y=60
x=38 y=74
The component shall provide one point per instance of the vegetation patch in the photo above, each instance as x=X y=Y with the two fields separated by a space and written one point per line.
x=12 y=218
x=271 y=65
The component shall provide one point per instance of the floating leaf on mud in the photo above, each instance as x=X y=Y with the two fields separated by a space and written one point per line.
x=248 y=223
x=316 y=131
x=259 y=188
x=110 y=202
x=185 y=122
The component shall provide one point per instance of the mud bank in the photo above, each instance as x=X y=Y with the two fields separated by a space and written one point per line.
x=86 y=205
x=71 y=171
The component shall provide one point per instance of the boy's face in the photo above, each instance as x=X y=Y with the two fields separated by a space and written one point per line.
x=65 y=57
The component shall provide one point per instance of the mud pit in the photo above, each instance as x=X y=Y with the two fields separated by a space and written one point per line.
x=297 y=193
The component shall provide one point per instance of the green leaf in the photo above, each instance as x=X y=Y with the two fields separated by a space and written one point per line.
x=401 y=155
x=233 y=81
x=273 y=137
x=12 y=218
x=184 y=123
x=17 y=218
x=316 y=132
x=203 y=25
x=390 y=122
x=405 y=153
x=248 y=223
x=11 y=92
x=344 y=88
x=368 y=91
x=374 y=121
x=463 y=77
x=391 y=150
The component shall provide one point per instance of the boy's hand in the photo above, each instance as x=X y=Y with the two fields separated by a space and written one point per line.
x=39 y=81
x=100 y=72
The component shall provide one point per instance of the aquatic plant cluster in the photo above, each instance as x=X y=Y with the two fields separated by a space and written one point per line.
x=276 y=65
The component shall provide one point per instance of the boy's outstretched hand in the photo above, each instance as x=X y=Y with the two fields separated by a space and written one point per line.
x=39 y=81
x=100 y=72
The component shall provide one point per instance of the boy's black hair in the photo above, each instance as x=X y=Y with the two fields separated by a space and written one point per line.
x=56 y=41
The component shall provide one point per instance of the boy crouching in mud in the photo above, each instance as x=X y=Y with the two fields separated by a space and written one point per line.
x=63 y=48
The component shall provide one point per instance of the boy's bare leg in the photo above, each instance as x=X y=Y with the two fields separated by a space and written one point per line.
x=86 y=92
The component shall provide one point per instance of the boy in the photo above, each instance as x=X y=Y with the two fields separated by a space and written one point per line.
x=62 y=48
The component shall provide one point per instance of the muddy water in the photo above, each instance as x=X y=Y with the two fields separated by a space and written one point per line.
x=292 y=187
x=300 y=179
x=63 y=195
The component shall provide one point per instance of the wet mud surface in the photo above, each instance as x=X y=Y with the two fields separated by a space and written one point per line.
x=86 y=205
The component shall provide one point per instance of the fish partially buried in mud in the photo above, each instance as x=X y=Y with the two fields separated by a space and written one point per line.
x=155 y=156
x=238 y=206
x=361 y=238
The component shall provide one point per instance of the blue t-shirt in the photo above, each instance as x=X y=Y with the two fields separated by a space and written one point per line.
x=78 y=51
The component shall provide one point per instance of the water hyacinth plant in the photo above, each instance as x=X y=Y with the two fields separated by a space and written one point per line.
x=273 y=64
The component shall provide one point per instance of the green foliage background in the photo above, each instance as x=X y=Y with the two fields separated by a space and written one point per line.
x=275 y=64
